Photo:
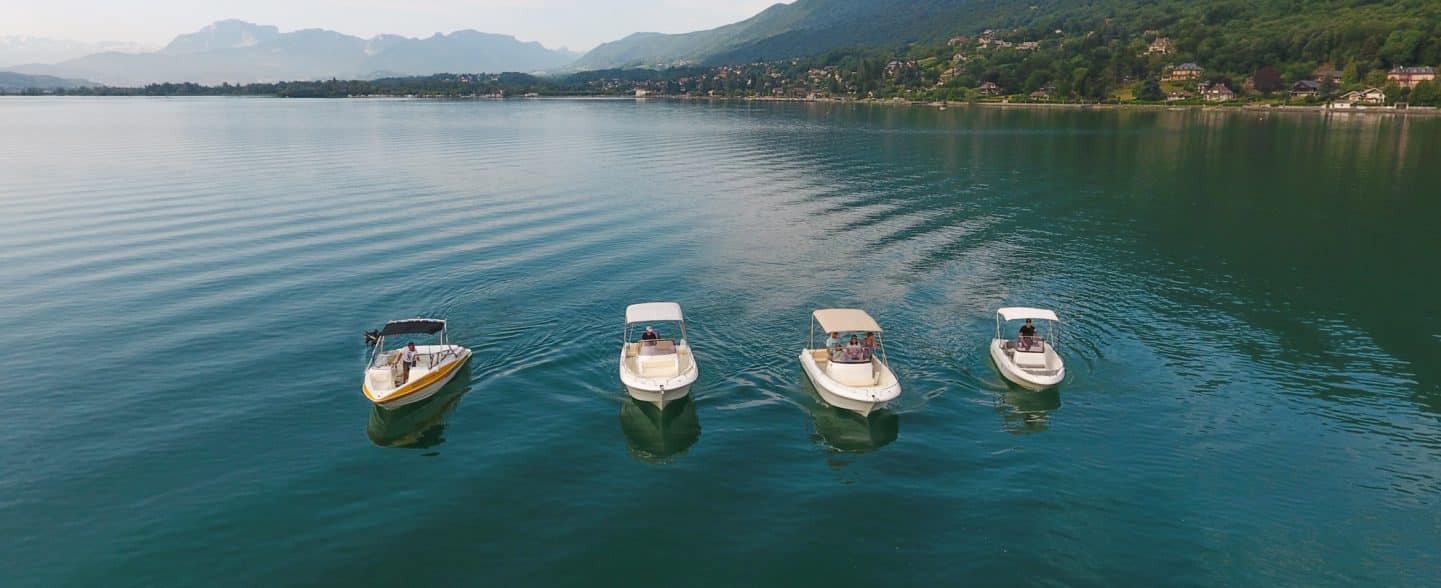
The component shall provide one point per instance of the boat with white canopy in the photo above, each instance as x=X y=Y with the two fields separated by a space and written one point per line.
x=1030 y=360
x=391 y=381
x=850 y=371
x=656 y=364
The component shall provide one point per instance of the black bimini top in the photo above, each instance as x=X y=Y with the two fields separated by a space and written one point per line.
x=407 y=327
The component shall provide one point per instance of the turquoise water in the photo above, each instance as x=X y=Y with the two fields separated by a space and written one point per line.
x=1253 y=341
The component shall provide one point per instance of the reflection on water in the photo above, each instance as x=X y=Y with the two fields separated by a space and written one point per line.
x=846 y=431
x=1027 y=411
x=656 y=436
x=420 y=425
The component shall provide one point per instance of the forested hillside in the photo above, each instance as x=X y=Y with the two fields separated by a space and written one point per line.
x=1229 y=35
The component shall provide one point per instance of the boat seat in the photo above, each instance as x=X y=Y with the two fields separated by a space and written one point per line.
x=852 y=374
x=665 y=366
x=1029 y=360
x=821 y=356
x=630 y=349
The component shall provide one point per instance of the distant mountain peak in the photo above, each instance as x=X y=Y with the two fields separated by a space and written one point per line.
x=223 y=34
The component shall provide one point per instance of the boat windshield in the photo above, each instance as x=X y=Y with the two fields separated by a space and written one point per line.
x=857 y=347
x=428 y=353
x=1029 y=344
x=850 y=354
x=656 y=338
x=657 y=347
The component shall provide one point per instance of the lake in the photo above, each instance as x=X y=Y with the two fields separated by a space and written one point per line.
x=1252 y=336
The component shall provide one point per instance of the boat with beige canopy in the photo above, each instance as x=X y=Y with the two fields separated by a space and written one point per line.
x=656 y=364
x=850 y=370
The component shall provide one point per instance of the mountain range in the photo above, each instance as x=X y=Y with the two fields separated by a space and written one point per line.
x=14 y=82
x=239 y=52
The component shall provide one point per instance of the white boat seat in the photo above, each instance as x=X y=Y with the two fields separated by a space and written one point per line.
x=852 y=374
x=665 y=366
x=1029 y=360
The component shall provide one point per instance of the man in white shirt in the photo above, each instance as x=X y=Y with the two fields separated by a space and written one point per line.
x=408 y=358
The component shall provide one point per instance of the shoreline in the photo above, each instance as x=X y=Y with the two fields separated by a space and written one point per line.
x=1257 y=108
x=894 y=102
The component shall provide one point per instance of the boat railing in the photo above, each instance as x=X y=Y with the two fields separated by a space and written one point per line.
x=427 y=360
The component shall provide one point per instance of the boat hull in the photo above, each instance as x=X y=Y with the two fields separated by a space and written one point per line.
x=1023 y=378
x=658 y=391
x=860 y=400
x=658 y=397
x=422 y=388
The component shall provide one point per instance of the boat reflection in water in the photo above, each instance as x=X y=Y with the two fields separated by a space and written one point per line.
x=421 y=424
x=655 y=435
x=1026 y=411
x=848 y=432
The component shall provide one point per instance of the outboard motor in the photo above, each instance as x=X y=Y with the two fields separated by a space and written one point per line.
x=372 y=337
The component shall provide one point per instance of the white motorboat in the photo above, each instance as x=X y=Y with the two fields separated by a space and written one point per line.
x=1031 y=360
x=656 y=364
x=847 y=372
x=391 y=383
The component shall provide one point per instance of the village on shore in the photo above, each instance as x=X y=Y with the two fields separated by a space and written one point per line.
x=1019 y=67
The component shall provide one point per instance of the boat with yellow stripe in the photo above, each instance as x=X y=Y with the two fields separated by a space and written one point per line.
x=409 y=373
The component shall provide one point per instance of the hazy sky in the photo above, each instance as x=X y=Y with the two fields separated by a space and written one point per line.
x=577 y=24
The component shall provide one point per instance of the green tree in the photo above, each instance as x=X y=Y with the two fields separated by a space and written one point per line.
x=1426 y=94
x=1151 y=91
x=1351 y=76
x=1400 y=47
x=1267 y=80
x=1394 y=93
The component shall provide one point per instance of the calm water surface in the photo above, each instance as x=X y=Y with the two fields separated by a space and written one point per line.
x=1254 y=344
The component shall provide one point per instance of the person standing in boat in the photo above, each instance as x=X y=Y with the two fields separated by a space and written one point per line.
x=408 y=358
x=870 y=343
x=1028 y=334
x=649 y=336
x=833 y=342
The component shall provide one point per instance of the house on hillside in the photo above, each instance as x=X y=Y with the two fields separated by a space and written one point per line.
x=1367 y=97
x=1306 y=89
x=989 y=89
x=1218 y=92
x=958 y=41
x=1323 y=74
x=1408 y=77
x=1178 y=95
x=1161 y=46
x=1040 y=96
x=895 y=69
x=1183 y=72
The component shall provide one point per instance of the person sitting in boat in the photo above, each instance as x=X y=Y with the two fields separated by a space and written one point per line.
x=649 y=336
x=1028 y=335
x=854 y=351
x=870 y=342
x=408 y=358
x=833 y=342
